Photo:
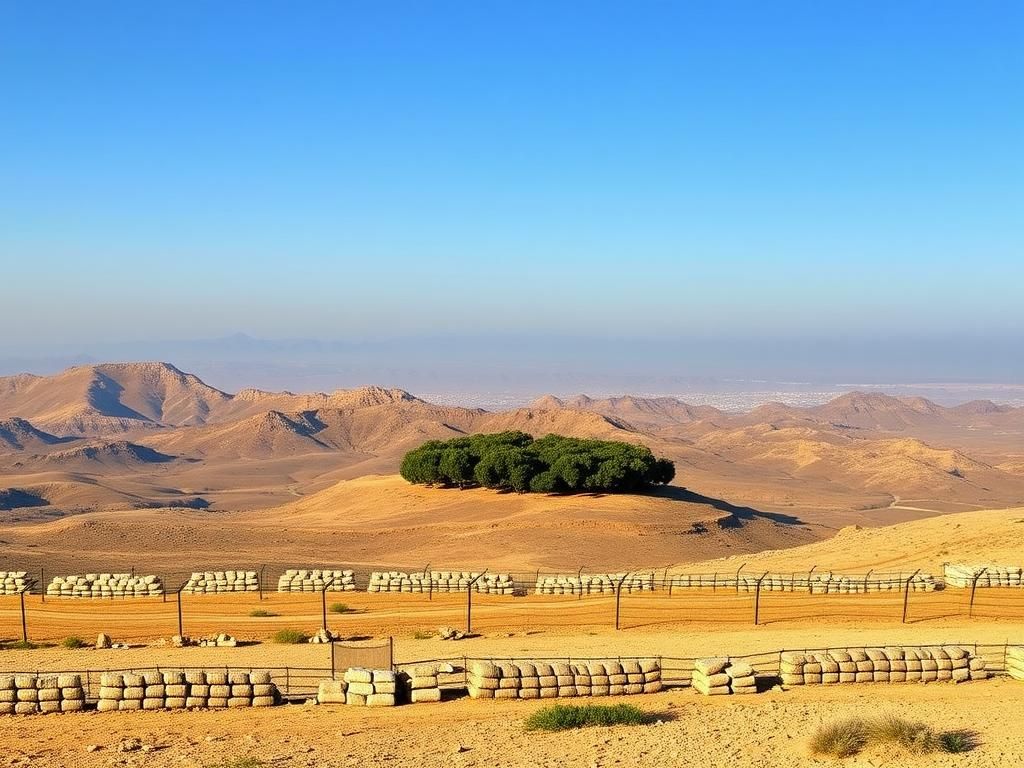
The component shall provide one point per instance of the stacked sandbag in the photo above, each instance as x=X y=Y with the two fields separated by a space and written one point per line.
x=105 y=585
x=194 y=689
x=593 y=583
x=705 y=580
x=710 y=678
x=823 y=583
x=316 y=580
x=213 y=582
x=741 y=678
x=331 y=692
x=14 y=582
x=892 y=664
x=1015 y=662
x=31 y=694
x=421 y=684
x=441 y=581
x=543 y=680
x=371 y=687
x=987 y=574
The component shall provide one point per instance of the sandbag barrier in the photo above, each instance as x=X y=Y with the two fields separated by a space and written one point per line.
x=593 y=583
x=31 y=694
x=105 y=585
x=965 y=575
x=15 y=582
x=317 y=580
x=194 y=689
x=213 y=582
x=361 y=687
x=1015 y=662
x=441 y=581
x=821 y=583
x=541 y=680
x=891 y=664
x=719 y=676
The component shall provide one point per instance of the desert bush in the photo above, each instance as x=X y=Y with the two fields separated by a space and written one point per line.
x=260 y=613
x=956 y=742
x=290 y=637
x=913 y=737
x=422 y=634
x=73 y=641
x=563 y=717
x=341 y=608
x=848 y=737
x=840 y=739
x=240 y=762
x=19 y=645
x=514 y=461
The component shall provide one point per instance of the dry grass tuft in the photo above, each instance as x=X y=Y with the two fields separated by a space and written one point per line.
x=844 y=738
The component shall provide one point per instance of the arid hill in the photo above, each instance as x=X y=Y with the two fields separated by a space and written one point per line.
x=382 y=520
x=862 y=458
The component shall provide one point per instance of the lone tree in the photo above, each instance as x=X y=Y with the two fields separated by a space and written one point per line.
x=514 y=461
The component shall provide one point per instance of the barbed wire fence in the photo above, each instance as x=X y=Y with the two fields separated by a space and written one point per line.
x=637 y=597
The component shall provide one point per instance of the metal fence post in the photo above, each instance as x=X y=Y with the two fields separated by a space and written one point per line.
x=738 y=577
x=618 y=598
x=181 y=631
x=469 y=602
x=263 y=570
x=974 y=587
x=24 y=625
x=906 y=593
x=757 y=598
x=323 y=600
x=42 y=584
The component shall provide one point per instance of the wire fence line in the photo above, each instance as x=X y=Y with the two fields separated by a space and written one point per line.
x=33 y=616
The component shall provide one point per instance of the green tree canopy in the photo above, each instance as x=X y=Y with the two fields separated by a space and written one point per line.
x=553 y=464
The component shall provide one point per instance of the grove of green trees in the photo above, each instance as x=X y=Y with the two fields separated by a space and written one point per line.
x=514 y=461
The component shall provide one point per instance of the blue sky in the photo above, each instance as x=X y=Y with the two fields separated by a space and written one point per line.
x=335 y=170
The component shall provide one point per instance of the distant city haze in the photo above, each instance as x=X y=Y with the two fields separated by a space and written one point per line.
x=497 y=372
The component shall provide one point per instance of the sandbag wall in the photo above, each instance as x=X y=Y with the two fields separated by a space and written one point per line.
x=212 y=582
x=541 y=680
x=370 y=687
x=215 y=689
x=593 y=584
x=892 y=664
x=1015 y=662
x=441 y=581
x=105 y=585
x=718 y=676
x=315 y=580
x=30 y=694
x=988 y=575
x=14 y=582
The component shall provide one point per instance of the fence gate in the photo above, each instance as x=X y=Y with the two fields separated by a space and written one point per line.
x=372 y=654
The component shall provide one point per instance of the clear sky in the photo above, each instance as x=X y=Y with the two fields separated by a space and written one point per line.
x=343 y=169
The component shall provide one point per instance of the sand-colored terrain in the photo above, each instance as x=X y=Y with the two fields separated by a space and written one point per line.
x=137 y=435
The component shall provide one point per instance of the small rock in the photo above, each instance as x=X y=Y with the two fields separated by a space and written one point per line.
x=103 y=641
x=92 y=747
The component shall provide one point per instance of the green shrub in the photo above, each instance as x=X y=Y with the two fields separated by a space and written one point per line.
x=514 y=461
x=259 y=613
x=73 y=642
x=20 y=645
x=290 y=637
x=563 y=717
x=841 y=739
x=956 y=742
x=241 y=762
x=422 y=634
x=341 y=608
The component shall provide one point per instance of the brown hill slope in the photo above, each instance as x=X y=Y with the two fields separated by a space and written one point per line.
x=991 y=536
x=109 y=398
x=19 y=435
x=379 y=520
